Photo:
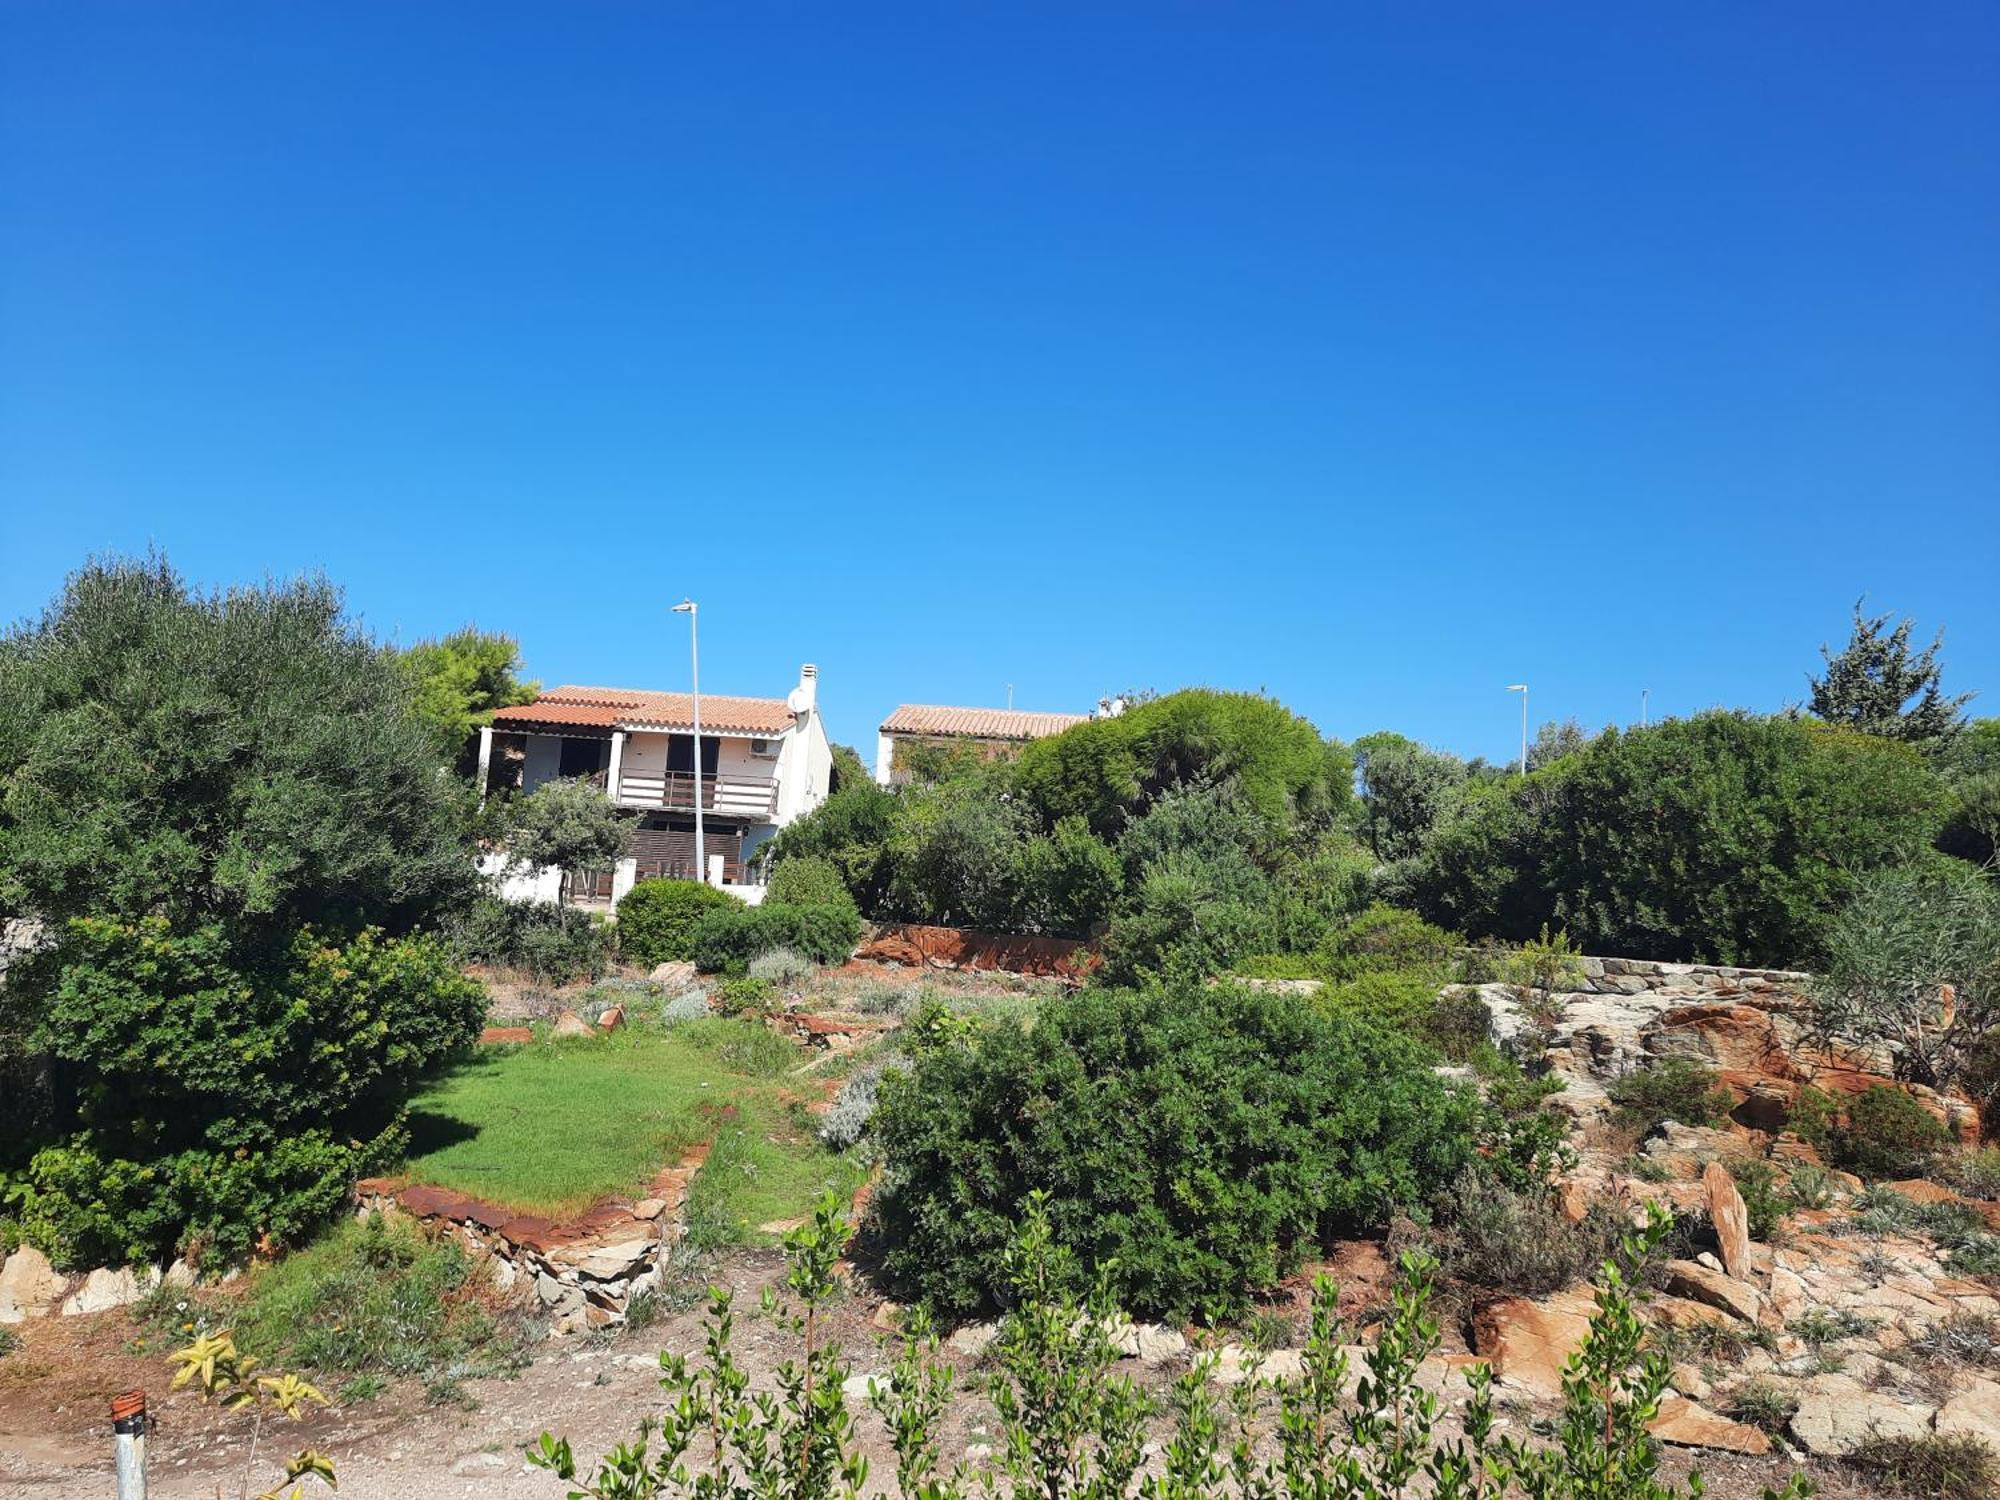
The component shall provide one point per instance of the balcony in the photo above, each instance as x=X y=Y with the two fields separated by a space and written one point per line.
x=753 y=798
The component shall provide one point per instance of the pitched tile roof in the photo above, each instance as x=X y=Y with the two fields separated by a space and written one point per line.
x=977 y=723
x=626 y=708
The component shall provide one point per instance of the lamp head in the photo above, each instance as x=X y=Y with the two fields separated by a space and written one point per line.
x=685 y=607
x=1517 y=687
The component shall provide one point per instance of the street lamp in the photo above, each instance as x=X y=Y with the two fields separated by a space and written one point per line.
x=1522 y=689
x=689 y=608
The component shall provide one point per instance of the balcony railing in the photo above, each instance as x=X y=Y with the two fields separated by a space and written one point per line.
x=733 y=796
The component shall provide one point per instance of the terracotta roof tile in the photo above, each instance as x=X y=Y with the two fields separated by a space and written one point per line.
x=977 y=723
x=614 y=708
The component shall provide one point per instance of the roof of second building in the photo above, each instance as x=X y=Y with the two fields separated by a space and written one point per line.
x=608 y=708
x=977 y=723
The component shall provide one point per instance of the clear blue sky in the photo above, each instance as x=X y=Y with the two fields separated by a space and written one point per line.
x=1376 y=356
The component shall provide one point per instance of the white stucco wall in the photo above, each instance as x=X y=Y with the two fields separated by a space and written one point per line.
x=519 y=886
x=542 y=761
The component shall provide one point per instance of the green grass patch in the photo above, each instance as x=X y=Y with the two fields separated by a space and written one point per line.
x=552 y=1127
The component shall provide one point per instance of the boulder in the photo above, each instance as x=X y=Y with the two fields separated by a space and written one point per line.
x=1837 y=1414
x=612 y=1019
x=1150 y=1343
x=974 y=1339
x=1731 y=1220
x=1689 y=1425
x=675 y=975
x=105 y=1289
x=1973 y=1412
x=1527 y=1343
x=1686 y=1278
x=649 y=1208
x=29 y=1286
x=1235 y=1364
x=569 y=1023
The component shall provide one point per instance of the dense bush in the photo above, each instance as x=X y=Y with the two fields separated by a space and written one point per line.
x=1106 y=770
x=555 y=944
x=214 y=1101
x=727 y=939
x=1677 y=1089
x=1205 y=1139
x=1723 y=837
x=1881 y=1132
x=1518 y=1239
x=808 y=880
x=851 y=831
x=657 y=918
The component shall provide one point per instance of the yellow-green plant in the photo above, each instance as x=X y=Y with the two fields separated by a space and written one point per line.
x=230 y=1378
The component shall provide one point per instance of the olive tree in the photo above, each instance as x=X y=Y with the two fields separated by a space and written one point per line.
x=568 y=823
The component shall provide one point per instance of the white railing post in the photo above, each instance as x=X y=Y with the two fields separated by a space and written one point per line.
x=617 y=764
x=485 y=759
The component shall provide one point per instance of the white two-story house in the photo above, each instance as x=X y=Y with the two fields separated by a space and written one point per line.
x=762 y=762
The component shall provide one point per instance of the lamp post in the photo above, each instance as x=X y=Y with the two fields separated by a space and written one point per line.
x=692 y=610
x=1522 y=689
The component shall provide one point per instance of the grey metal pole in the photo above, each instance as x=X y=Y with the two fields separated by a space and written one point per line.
x=1524 y=731
x=128 y=1427
x=694 y=653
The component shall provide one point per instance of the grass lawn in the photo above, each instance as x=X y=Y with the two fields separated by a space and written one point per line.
x=551 y=1127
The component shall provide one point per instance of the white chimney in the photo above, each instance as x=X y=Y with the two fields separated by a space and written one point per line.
x=805 y=697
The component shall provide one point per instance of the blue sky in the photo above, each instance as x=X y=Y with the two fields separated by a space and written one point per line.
x=1377 y=357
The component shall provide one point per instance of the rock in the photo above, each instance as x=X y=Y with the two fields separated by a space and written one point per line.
x=612 y=1019
x=887 y=1317
x=1527 y=1343
x=1730 y=1218
x=29 y=1286
x=477 y=1465
x=1700 y=1284
x=855 y=1387
x=180 y=1274
x=559 y=1296
x=1837 y=1414
x=1150 y=1343
x=104 y=1289
x=1788 y=1294
x=1683 y=1422
x=569 y=1023
x=1688 y=1380
x=500 y=1036
x=502 y=1272
x=1973 y=1412
x=649 y=1208
x=1235 y=1364
x=677 y=975
x=974 y=1339
x=616 y=1262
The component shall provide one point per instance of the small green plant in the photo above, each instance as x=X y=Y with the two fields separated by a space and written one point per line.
x=781 y=967
x=1540 y=970
x=1677 y=1089
x=1811 y=1186
x=1761 y=1405
x=1267 y=1329
x=9 y=1342
x=1976 y=1174
x=1934 y=1467
x=226 y=1376
x=1967 y=1339
x=1826 y=1325
x=748 y=995
x=1764 y=1204
x=361 y=1388
x=1881 y=1132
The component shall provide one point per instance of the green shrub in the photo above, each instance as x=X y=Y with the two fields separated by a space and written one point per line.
x=657 y=918
x=218 y=1103
x=1205 y=1139
x=1518 y=1239
x=1387 y=937
x=808 y=880
x=1977 y=1173
x=1765 y=1204
x=1677 y=1089
x=555 y=944
x=744 y=995
x=1881 y=1132
x=1724 y=837
x=726 y=940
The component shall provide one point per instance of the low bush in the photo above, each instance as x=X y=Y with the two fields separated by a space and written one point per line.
x=1677 y=1089
x=781 y=966
x=1762 y=1405
x=808 y=880
x=1519 y=1240
x=657 y=918
x=1879 y=1133
x=1977 y=1173
x=854 y=1106
x=744 y=995
x=1931 y=1466
x=554 y=944
x=728 y=940
x=743 y=1046
x=1203 y=1139
x=1765 y=1204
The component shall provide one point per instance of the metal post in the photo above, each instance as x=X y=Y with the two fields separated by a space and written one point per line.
x=1522 y=689
x=692 y=610
x=1645 y=707
x=128 y=1425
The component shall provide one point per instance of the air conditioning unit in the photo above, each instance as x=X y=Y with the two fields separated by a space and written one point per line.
x=768 y=749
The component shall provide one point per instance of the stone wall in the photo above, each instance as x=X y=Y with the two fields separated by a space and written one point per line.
x=585 y=1271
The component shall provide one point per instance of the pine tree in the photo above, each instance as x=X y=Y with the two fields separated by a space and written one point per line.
x=1870 y=684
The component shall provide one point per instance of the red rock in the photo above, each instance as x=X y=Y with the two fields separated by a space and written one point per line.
x=1731 y=1220
x=919 y=946
x=1920 y=1190
x=1527 y=1343
x=498 y=1035
x=612 y=1019
x=1684 y=1422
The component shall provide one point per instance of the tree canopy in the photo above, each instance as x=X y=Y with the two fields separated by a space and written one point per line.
x=461 y=681
x=247 y=756
x=1869 y=686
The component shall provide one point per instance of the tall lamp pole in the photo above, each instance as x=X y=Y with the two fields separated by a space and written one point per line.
x=692 y=610
x=1522 y=689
